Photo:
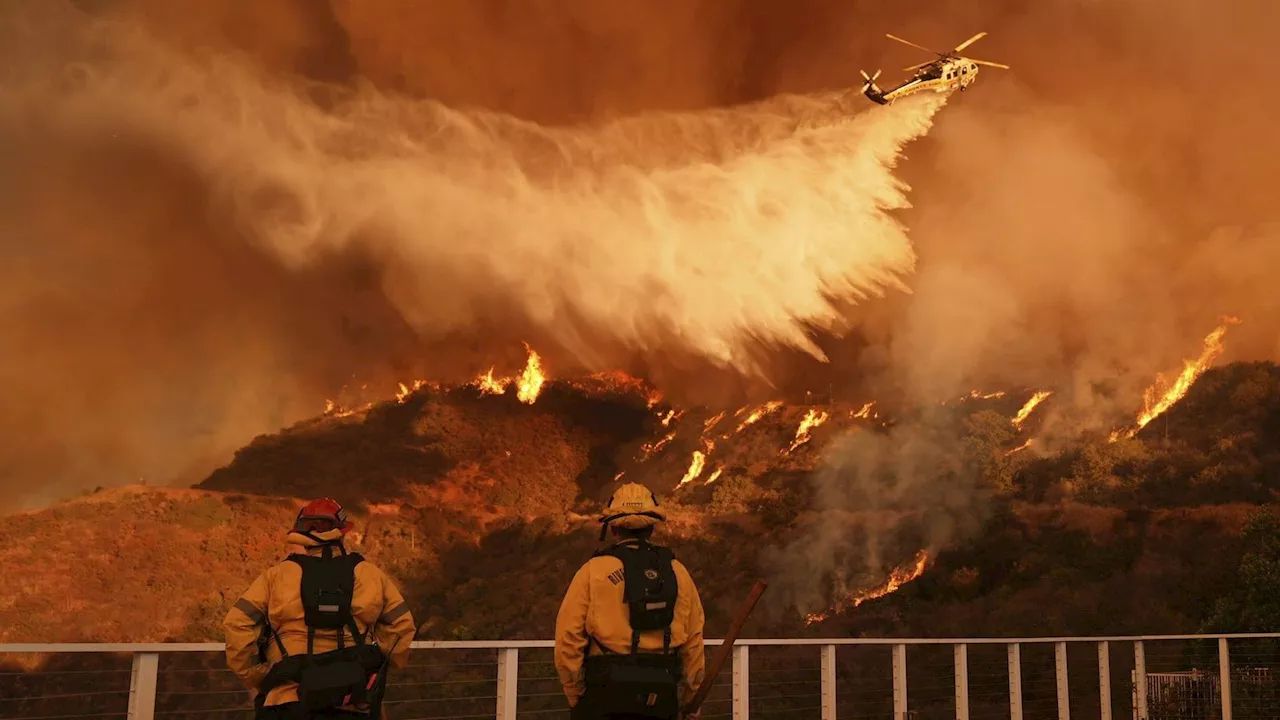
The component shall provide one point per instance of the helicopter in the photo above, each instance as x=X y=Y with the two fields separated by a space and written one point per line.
x=948 y=72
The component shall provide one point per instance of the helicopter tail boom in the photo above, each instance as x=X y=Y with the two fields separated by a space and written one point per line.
x=870 y=89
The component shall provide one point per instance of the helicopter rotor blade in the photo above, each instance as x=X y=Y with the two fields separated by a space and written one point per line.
x=908 y=42
x=988 y=63
x=917 y=66
x=970 y=41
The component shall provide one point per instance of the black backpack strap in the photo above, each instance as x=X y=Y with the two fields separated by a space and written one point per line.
x=276 y=636
x=332 y=574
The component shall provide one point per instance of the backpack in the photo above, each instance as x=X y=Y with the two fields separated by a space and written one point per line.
x=640 y=684
x=348 y=675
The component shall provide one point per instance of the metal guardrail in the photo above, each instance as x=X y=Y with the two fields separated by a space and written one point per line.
x=834 y=691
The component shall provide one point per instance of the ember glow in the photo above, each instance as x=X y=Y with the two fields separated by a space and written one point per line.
x=899 y=577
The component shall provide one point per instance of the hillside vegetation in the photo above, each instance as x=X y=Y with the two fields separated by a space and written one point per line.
x=472 y=501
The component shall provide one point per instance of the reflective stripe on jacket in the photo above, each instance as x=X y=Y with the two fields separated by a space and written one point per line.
x=276 y=595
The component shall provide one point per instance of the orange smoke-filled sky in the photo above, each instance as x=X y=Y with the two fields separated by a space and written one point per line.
x=1086 y=215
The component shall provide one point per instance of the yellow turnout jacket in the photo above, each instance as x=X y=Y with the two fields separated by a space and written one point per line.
x=276 y=595
x=596 y=605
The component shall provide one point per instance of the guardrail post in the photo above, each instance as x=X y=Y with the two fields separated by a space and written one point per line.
x=1064 y=690
x=962 y=681
x=1139 y=681
x=142 y=686
x=828 y=682
x=508 y=677
x=741 y=682
x=1015 y=681
x=1104 y=679
x=1224 y=672
x=900 y=682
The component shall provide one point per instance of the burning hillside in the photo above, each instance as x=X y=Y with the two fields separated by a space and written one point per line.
x=469 y=496
x=522 y=443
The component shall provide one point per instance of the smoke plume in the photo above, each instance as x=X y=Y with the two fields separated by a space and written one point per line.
x=879 y=498
x=189 y=229
x=182 y=266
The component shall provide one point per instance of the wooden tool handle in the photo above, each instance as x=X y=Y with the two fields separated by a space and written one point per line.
x=722 y=653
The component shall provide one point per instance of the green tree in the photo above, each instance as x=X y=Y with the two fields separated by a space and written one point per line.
x=988 y=435
x=1253 y=603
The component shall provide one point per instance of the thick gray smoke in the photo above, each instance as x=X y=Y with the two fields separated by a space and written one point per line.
x=181 y=214
x=879 y=499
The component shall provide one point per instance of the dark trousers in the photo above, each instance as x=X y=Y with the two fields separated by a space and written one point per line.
x=293 y=711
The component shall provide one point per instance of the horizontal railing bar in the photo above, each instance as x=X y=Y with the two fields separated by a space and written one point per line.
x=535 y=644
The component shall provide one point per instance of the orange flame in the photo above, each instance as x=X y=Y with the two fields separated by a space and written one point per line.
x=865 y=411
x=1154 y=406
x=811 y=420
x=404 y=391
x=706 y=426
x=979 y=395
x=528 y=383
x=1020 y=448
x=714 y=476
x=531 y=380
x=649 y=448
x=759 y=413
x=695 y=468
x=897 y=578
x=488 y=385
x=1030 y=406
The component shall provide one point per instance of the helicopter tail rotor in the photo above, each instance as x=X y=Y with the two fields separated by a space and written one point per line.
x=871 y=80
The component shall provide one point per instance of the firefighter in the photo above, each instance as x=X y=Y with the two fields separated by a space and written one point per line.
x=629 y=631
x=322 y=604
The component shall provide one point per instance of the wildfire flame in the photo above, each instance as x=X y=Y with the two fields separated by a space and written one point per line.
x=714 y=476
x=1020 y=448
x=490 y=386
x=758 y=413
x=706 y=426
x=671 y=416
x=979 y=395
x=528 y=383
x=649 y=448
x=695 y=468
x=811 y=420
x=404 y=391
x=865 y=411
x=1155 y=403
x=1030 y=406
x=897 y=578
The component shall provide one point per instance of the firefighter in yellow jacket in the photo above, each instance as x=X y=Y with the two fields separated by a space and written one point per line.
x=321 y=601
x=629 y=631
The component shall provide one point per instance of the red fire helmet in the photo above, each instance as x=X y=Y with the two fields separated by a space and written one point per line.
x=320 y=516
